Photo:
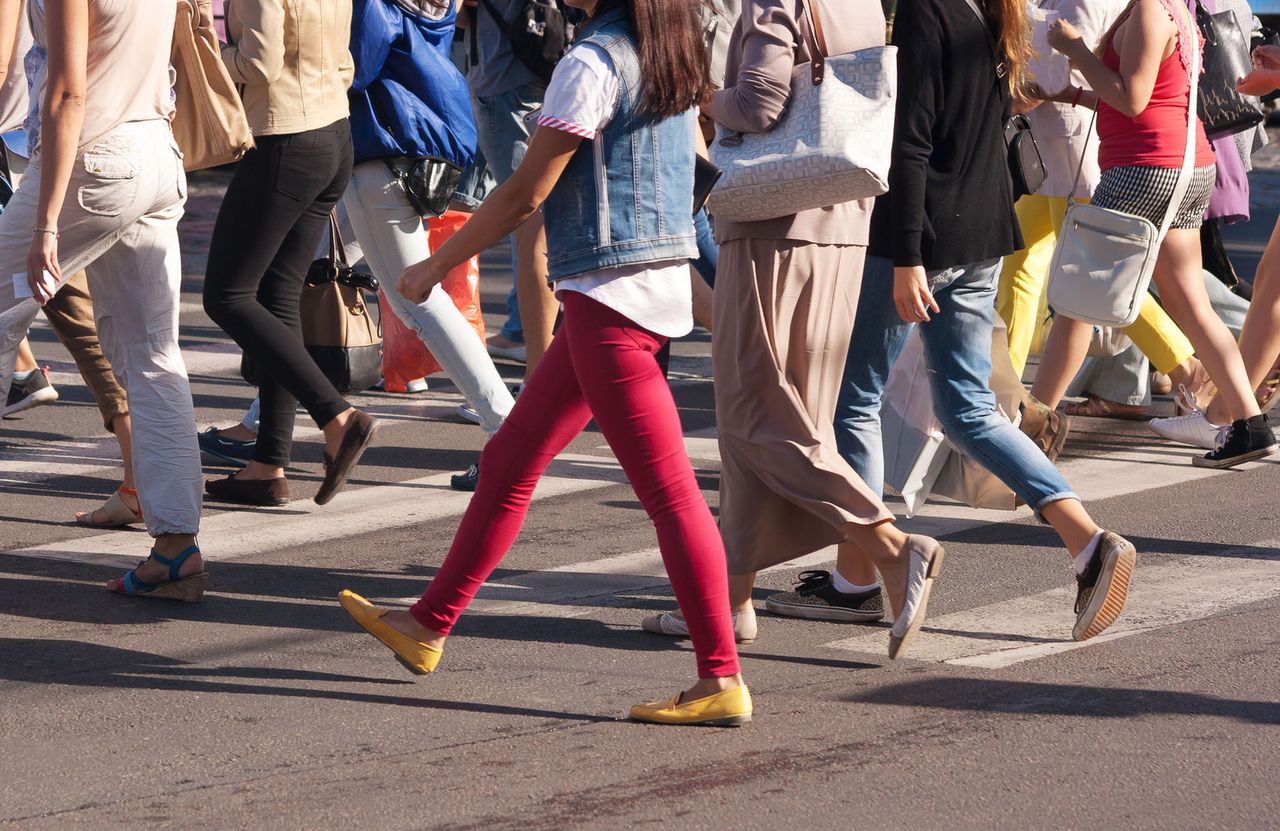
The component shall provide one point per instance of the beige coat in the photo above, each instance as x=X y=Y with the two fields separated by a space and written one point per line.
x=292 y=62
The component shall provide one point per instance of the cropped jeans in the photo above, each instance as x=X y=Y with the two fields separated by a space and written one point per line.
x=120 y=224
x=957 y=344
x=392 y=237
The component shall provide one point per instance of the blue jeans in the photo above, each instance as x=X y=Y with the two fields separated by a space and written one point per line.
x=957 y=344
x=708 y=251
x=503 y=139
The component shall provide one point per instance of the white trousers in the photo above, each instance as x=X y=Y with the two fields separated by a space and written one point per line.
x=392 y=237
x=120 y=224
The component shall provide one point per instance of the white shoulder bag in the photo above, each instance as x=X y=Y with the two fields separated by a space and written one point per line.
x=1104 y=259
x=831 y=145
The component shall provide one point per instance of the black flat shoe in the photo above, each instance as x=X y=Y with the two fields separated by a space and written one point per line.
x=265 y=492
x=354 y=442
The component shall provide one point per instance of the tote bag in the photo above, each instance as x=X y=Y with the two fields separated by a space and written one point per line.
x=209 y=123
x=1104 y=259
x=831 y=145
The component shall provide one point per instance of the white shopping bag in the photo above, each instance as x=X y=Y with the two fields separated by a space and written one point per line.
x=915 y=448
x=919 y=462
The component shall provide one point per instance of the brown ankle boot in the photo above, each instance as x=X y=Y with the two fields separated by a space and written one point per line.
x=1047 y=428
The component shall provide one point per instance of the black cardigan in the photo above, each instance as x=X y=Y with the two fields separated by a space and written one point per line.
x=950 y=199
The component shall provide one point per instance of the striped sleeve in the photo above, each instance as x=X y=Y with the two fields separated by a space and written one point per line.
x=582 y=94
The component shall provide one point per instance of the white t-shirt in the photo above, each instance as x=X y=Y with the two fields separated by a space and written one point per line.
x=580 y=99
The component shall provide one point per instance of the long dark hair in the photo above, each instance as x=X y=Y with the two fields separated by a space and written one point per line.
x=673 y=58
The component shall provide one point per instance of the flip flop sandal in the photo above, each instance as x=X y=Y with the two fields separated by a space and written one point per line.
x=189 y=589
x=1095 y=407
x=115 y=512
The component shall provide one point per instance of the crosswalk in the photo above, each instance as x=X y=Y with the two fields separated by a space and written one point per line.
x=990 y=636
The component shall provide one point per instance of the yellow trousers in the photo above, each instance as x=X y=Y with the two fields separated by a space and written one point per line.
x=1023 y=297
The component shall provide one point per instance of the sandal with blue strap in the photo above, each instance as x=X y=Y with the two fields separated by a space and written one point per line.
x=189 y=589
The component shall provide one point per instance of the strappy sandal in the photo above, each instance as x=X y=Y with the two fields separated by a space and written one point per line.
x=115 y=512
x=189 y=589
x=1266 y=391
x=1095 y=407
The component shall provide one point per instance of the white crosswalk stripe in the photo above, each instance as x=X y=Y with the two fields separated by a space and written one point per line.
x=990 y=636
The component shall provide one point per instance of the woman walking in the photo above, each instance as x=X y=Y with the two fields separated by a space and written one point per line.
x=103 y=192
x=408 y=102
x=937 y=239
x=784 y=306
x=1141 y=90
x=620 y=238
x=294 y=66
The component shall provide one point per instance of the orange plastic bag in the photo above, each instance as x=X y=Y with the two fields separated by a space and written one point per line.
x=405 y=358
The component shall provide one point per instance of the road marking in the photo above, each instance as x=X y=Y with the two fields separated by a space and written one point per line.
x=1034 y=626
x=249 y=533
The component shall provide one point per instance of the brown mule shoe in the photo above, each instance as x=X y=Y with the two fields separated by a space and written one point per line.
x=355 y=441
x=1047 y=428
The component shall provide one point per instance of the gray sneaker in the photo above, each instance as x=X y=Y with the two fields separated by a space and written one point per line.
x=816 y=598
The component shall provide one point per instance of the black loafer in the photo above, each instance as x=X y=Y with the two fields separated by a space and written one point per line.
x=249 y=491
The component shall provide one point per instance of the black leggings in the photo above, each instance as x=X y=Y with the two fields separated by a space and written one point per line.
x=272 y=219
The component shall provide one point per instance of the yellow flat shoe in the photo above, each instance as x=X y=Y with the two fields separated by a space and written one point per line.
x=727 y=708
x=416 y=656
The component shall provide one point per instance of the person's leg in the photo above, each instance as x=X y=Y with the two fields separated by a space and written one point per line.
x=549 y=414
x=1180 y=279
x=1021 y=296
x=958 y=347
x=264 y=239
x=1260 y=335
x=393 y=237
x=613 y=360
x=503 y=138
x=1064 y=353
x=25 y=362
x=136 y=287
x=70 y=315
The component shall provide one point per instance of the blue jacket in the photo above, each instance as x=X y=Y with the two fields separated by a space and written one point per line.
x=626 y=197
x=407 y=98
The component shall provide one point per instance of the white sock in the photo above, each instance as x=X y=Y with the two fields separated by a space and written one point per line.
x=1082 y=559
x=845 y=587
x=19 y=377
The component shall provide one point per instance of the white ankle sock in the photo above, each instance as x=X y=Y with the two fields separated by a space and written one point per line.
x=19 y=377
x=1082 y=559
x=845 y=587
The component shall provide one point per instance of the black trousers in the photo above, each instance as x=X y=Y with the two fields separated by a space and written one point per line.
x=272 y=219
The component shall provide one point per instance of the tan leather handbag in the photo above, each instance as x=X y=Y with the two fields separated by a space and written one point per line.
x=339 y=332
x=209 y=123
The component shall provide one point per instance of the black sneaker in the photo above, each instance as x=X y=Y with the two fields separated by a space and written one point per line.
x=1102 y=588
x=816 y=598
x=218 y=450
x=467 y=480
x=36 y=390
x=1245 y=440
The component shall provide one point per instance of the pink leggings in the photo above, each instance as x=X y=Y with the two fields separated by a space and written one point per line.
x=602 y=365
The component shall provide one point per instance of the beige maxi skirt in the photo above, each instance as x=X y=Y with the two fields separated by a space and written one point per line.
x=784 y=313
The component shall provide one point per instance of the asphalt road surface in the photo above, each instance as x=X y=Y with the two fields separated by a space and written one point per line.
x=264 y=707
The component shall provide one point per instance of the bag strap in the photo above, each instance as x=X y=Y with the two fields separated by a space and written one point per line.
x=1188 y=154
x=503 y=25
x=816 y=41
x=337 y=250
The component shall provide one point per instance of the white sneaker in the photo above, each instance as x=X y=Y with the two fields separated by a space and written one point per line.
x=667 y=623
x=467 y=413
x=1194 y=428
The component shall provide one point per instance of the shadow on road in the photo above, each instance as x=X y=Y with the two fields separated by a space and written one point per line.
x=35 y=661
x=1027 y=697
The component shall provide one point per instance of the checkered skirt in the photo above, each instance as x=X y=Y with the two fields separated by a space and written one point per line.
x=1146 y=191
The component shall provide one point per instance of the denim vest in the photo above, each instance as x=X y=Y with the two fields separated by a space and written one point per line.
x=626 y=197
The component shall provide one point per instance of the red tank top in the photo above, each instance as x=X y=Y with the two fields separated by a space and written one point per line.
x=1157 y=137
